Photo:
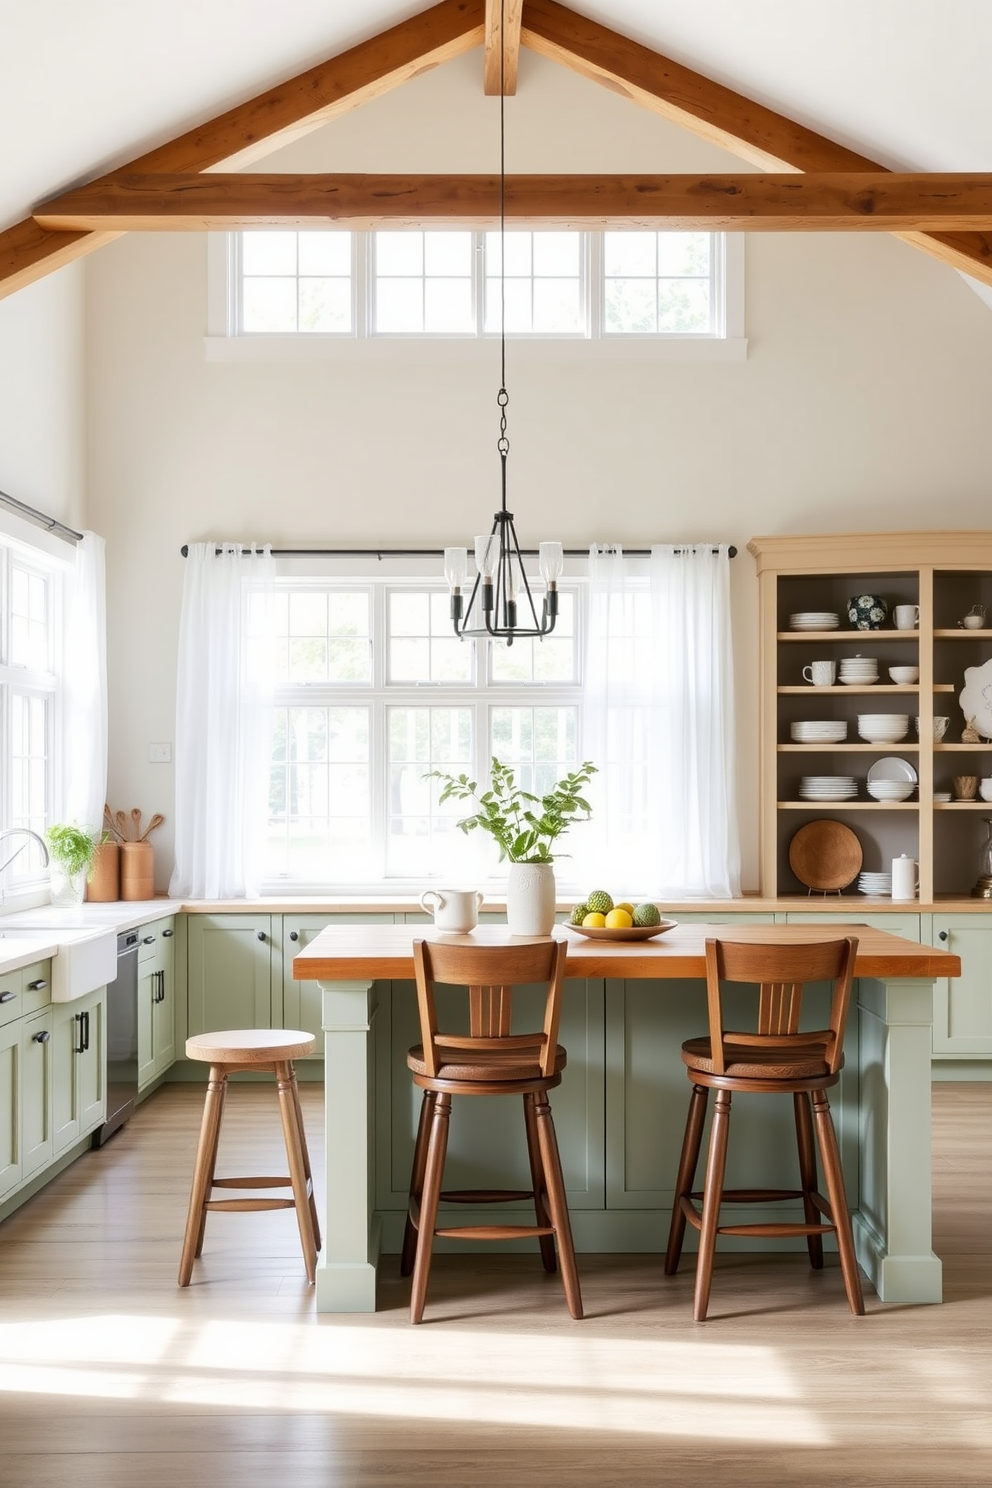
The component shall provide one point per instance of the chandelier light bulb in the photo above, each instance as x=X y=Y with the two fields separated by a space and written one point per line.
x=456 y=567
x=551 y=561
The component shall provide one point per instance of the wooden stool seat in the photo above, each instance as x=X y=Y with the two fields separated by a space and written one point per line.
x=776 y=1058
x=236 y=1051
x=485 y=1057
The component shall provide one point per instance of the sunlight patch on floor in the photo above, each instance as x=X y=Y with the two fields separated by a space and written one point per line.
x=573 y=1382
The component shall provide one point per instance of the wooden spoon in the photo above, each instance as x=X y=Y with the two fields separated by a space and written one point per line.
x=110 y=824
x=121 y=821
x=136 y=819
x=156 y=821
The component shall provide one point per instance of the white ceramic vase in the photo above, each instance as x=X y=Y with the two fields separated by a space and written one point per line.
x=530 y=898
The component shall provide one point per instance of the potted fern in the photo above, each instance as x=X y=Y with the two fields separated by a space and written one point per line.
x=71 y=850
x=525 y=828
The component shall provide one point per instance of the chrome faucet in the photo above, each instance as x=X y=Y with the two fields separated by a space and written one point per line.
x=21 y=832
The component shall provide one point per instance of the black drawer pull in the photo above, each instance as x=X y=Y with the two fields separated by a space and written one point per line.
x=7 y=996
x=261 y=934
x=42 y=1037
x=35 y=986
x=942 y=935
x=149 y=940
x=294 y=934
x=167 y=933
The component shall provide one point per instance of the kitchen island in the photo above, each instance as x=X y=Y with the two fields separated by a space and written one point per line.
x=882 y=1107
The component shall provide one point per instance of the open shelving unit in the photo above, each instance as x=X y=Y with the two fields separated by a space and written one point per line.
x=945 y=574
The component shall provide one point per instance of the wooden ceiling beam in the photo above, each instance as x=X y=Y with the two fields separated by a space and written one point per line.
x=502 y=43
x=759 y=135
x=255 y=128
x=850 y=201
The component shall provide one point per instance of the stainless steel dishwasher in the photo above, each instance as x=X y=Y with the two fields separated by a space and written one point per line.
x=122 y=1038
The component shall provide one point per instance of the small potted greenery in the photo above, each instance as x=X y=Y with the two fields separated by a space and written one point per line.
x=71 y=850
x=524 y=827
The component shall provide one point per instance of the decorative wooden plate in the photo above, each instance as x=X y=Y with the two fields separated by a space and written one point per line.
x=632 y=932
x=825 y=855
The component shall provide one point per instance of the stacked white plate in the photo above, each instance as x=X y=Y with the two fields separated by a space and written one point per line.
x=875 y=883
x=827 y=787
x=814 y=620
x=883 y=728
x=856 y=671
x=824 y=731
x=891 y=790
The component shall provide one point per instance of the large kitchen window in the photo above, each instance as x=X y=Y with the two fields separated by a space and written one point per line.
x=372 y=692
x=30 y=656
x=333 y=286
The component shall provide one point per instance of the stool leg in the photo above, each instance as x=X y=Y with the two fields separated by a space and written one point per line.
x=807 y=1173
x=558 y=1204
x=538 y=1182
x=203 y=1172
x=834 y=1178
x=417 y=1182
x=437 y=1146
x=691 y=1143
x=289 y=1106
x=716 y=1165
x=314 y=1219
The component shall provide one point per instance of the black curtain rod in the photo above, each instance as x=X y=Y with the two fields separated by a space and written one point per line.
x=426 y=552
x=59 y=529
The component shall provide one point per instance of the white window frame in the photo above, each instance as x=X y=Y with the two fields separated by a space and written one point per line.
x=379 y=694
x=224 y=342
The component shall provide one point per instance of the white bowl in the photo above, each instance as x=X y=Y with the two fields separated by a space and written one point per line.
x=904 y=676
x=890 y=790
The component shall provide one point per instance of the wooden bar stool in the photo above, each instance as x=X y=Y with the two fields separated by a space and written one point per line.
x=488 y=1060
x=776 y=1057
x=272 y=1051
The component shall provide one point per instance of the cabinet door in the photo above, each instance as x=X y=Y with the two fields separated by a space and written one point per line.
x=147 y=990
x=79 y=1057
x=962 y=1006
x=301 y=1003
x=156 y=1000
x=36 y=1093
x=230 y=972
x=10 y=1094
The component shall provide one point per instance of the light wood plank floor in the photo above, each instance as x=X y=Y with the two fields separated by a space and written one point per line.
x=110 y=1376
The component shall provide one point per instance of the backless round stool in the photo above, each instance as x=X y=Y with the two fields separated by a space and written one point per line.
x=233 y=1051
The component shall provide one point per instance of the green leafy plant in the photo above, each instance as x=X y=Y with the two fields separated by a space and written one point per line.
x=71 y=847
x=522 y=825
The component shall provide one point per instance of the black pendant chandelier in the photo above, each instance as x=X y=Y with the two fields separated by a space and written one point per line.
x=501 y=604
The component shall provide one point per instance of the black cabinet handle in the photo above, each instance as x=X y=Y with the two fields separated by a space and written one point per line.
x=7 y=996
x=34 y=986
x=942 y=935
x=160 y=979
x=167 y=933
x=42 y=1037
x=294 y=934
x=80 y=1048
x=149 y=940
x=261 y=934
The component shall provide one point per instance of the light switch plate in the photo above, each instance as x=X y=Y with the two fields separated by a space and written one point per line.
x=160 y=754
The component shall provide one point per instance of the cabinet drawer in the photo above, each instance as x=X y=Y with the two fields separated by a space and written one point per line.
x=37 y=986
x=154 y=937
x=11 y=997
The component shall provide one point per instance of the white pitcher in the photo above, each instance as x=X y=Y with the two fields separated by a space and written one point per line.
x=453 y=909
x=905 y=877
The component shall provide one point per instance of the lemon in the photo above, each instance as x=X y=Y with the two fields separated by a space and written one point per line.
x=594 y=921
x=619 y=919
x=625 y=905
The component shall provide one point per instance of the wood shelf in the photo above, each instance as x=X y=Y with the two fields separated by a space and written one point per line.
x=863 y=635
x=860 y=748
x=841 y=689
x=855 y=805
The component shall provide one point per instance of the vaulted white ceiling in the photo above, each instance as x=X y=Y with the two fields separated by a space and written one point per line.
x=86 y=85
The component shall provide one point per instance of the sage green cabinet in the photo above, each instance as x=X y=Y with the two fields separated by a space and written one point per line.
x=10 y=1119
x=962 y=1006
x=230 y=972
x=36 y=1145
x=301 y=1001
x=79 y=1067
x=156 y=1000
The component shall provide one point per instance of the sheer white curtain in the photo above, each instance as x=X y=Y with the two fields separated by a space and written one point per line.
x=660 y=725
x=223 y=722
x=85 y=691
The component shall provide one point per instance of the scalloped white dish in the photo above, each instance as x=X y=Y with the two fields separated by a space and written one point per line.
x=892 y=768
x=976 y=698
x=632 y=932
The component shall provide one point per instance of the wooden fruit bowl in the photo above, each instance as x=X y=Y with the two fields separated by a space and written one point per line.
x=631 y=932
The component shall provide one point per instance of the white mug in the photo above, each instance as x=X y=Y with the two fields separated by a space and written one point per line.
x=907 y=617
x=985 y=788
x=453 y=909
x=821 y=673
x=905 y=877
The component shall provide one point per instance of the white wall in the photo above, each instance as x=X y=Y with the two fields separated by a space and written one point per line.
x=862 y=405
x=42 y=424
